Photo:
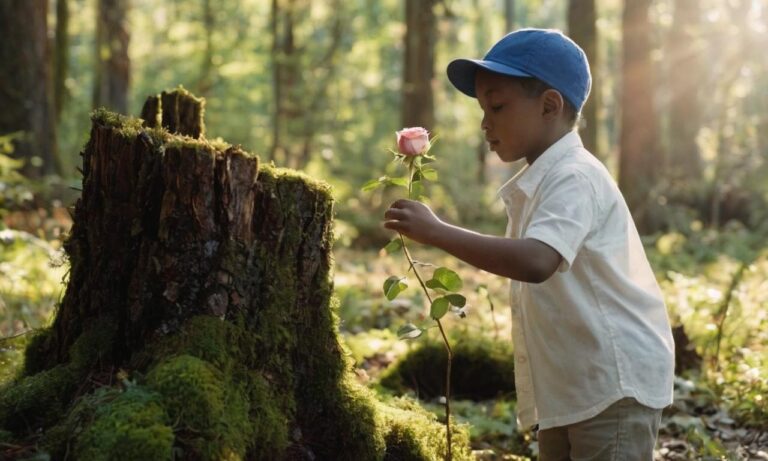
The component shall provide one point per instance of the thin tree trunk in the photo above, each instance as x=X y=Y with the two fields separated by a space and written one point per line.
x=205 y=81
x=61 y=59
x=684 y=60
x=26 y=99
x=417 y=106
x=285 y=79
x=113 y=65
x=481 y=42
x=639 y=156
x=582 y=28
x=509 y=15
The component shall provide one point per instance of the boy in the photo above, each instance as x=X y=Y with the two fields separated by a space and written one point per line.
x=594 y=354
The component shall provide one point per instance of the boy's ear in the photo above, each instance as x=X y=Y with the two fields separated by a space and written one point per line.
x=552 y=104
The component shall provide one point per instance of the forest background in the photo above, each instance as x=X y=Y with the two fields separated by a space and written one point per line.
x=678 y=113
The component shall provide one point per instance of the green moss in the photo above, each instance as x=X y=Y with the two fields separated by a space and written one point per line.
x=206 y=337
x=95 y=346
x=128 y=127
x=481 y=369
x=36 y=355
x=213 y=362
x=133 y=426
x=270 y=422
x=289 y=177
x=413 y=434
x=40 y=397
x=217 y=424
x=36 y=400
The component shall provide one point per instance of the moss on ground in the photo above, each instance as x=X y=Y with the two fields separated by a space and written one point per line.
x=414 y=434
x=482 y=369
x=133 y=426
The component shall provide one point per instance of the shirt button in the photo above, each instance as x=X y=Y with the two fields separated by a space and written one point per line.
x=522 y=359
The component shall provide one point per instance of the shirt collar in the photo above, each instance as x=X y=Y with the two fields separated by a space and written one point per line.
x=529 y=178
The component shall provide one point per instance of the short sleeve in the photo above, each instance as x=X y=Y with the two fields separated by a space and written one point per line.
x=564 y=215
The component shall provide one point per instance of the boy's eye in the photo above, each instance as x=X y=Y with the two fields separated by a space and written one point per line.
x=497 y=107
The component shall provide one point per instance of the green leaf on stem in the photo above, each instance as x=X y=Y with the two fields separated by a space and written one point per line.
x=402 y=182
x=444 y=279
x=409 y=331
x=393 y=286
x=416 y=189
x=374 y=183
x=430 y=174
x=456 y=299
x=394 y=245
x=439 y=307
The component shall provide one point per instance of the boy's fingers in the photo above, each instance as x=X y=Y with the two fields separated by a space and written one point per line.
x=394 y=213
x=401 y=203
x=393 y=225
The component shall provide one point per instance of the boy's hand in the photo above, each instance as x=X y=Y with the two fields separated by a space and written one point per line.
x=414 y=220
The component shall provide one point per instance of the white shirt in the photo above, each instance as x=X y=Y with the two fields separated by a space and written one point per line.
x=597 y=330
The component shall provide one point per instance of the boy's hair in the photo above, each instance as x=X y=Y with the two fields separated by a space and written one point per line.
x=533 y=88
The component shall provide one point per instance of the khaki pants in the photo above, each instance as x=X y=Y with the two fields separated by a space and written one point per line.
x=625 y=431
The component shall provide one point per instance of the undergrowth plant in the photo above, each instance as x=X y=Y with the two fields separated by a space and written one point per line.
x=442 y=289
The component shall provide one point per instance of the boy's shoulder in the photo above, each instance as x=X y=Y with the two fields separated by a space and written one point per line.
x=580 y=164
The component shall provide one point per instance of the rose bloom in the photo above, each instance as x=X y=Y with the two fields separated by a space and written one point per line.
x=413 y=141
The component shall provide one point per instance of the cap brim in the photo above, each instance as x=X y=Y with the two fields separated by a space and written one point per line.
x=461 y=73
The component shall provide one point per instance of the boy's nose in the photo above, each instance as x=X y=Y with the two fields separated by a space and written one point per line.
x=484 y=123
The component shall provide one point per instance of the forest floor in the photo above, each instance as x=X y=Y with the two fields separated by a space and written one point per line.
x=698 y=426
x=716 y=415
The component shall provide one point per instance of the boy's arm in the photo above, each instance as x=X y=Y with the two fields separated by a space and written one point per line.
x=526 y=260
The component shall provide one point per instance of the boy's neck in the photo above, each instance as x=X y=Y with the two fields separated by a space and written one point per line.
x=551 y=137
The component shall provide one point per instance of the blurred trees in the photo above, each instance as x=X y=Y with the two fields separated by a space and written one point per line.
x=640 y=160
x=417 y=106
x=61 y=56
x=684 y=53
x=113 y=65
x=582 y=28
x=305 y=45
x=26 y=103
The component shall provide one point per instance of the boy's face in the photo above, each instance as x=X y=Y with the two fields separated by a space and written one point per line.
x=512 y=121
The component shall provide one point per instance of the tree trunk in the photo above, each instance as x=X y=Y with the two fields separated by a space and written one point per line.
x=639 y=156
x=205 y=82
x=509 y=15
x=419 y=67
x=61 y=59
x=582 y=28
x=198 y=322
x=26 y=102
x=301 y=75
x=684 y=58
x=113 y=66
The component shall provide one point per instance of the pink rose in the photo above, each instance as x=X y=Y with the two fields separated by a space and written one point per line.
x=413 y=141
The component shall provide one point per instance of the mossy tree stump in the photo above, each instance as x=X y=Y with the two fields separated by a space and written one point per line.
x=197 y=321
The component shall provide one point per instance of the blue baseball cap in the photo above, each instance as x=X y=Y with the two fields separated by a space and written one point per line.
x=545 y=54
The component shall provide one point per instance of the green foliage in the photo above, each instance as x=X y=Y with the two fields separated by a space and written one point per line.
x=393 y=286
x=14 y=189
x=482 y=369
x=30 y=282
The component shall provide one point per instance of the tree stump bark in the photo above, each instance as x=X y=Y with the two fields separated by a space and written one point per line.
x=198 y=318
